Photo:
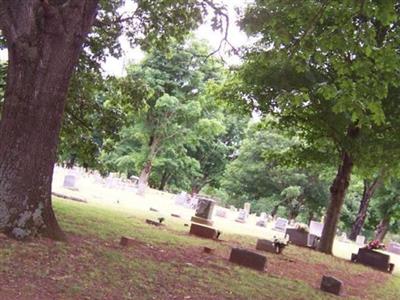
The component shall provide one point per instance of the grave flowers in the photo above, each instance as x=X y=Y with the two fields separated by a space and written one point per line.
x=375 y=244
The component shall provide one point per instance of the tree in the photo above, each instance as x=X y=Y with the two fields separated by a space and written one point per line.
x=258 y=176
x=324 y=69
x=368 y=191
x=44 y=39
x=387 y=208
x=170 y=83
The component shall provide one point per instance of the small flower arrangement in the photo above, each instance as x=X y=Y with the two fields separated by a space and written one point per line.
x=302 y=227
x=280 y=244
x=375 y=244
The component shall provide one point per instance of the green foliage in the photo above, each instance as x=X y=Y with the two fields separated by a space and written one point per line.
x=258 y=176
x=171 y=119
x=386 y=205
x=323 y=68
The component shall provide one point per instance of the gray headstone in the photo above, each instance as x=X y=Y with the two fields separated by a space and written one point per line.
x=70 y=182
x=331 y=285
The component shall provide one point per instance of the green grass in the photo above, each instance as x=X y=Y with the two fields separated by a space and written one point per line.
x=167 y=263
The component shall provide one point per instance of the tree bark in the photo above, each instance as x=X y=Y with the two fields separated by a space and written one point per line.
x=146 y=171
x=382 y=229
x=369 y=190
x=164 y=180
x=338 y=191
x=44 y=42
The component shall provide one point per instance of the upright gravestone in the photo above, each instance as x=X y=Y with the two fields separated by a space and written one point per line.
x=360 y=240
x=246 y=208
x=70 y=182
x=241 y=218
x=394 y=247
x=204 y=211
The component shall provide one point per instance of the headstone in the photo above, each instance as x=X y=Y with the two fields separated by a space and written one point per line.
x=151 y=222
x=316 y=228
x=204 y=211
x=280 y=225
x=221 y=212
x=246 y=208
x=261 y=223
x=248 y=259
x=373 y=259
x=181 y=198
x=175 y=215
x=241 y=218
x=297 y=237
x=393 y=247
x=126 y=241
x=315 y=233
x=203 y=231
x=360 y=240
x=331 y=285
x=70 y=182
x=205 y=208
x=207 y=250
x=268 y=246
x=153 y=209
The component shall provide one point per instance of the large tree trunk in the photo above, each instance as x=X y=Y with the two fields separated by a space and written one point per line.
x=44 y=42
x=146 y=171
x=369 y=190
x=382 y=229
x=338 y=191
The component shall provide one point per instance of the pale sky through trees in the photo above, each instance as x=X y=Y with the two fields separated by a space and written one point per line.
x=237 y=38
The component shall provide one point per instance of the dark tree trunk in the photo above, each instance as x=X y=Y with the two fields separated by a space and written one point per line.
x=164 y=180
x=338 y=191
x=44 y=42
x=146 y=171
x=310 y=217
x=369 y=190
x=275 y=210
x=382 y=229
x=195 y=190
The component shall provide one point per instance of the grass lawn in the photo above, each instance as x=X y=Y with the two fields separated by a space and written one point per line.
x=166 y=263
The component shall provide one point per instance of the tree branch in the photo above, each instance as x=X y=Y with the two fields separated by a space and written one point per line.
x=220 y=10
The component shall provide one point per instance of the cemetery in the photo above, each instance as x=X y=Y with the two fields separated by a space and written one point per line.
x=229 y=246
x=199 y=150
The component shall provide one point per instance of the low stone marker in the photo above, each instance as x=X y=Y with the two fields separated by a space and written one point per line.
x=175 y=215
x=126 y=241
x=248 y=259
x=207 y=250
x=268 y=246
x=153 y=209
x=375 y=259
x=203 y=231
x=159 y=223
x=331 y=285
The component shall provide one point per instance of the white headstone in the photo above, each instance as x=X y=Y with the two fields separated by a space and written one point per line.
x=221 y=212
x=360 y=240
x=280 y=225
x=394 y=247
x=70 y=181
x=316 y=228
x=241 y=216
